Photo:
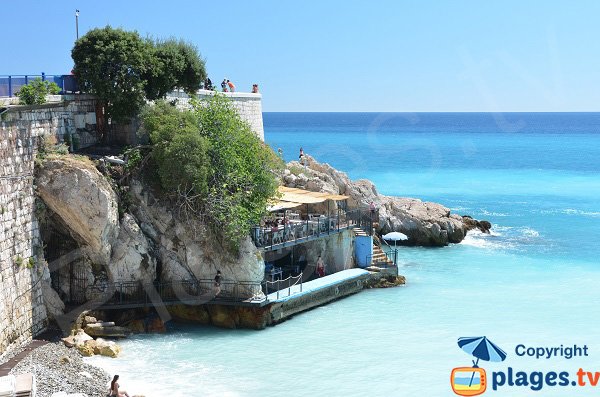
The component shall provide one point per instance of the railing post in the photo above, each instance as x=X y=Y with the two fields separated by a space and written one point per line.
x=9 y=86
x=120 y=292
x=289 y=286
x=43 y=76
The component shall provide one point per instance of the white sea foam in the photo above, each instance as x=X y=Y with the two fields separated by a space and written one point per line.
x=502 y=238
x=488 y=213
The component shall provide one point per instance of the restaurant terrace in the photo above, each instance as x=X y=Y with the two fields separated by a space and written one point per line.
x=298 y=216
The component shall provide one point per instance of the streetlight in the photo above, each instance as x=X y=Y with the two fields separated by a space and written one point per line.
x=77 y=23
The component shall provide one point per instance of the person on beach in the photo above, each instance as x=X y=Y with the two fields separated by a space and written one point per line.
x=301 y=154
x=280 y=153
x=320 y=267
x=231 y=86
x=224 y=85
x=114 y=388
x=372 y=208
x=217 y=283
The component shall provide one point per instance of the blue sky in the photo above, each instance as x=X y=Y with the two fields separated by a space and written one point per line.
x=350 y=55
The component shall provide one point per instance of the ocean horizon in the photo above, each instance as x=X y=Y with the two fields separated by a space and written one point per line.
x=532 y=281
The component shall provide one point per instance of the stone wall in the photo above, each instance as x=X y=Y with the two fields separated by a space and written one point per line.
x=71 y=118
x=22 y=268
x=248 y=106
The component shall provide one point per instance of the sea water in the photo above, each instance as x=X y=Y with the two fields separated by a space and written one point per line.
x=535 y=280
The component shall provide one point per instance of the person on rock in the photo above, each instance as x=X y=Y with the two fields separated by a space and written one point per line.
x=114 y=388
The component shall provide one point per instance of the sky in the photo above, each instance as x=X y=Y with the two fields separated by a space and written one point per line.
x=380 y=56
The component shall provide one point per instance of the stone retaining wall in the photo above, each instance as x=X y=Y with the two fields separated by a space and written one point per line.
x=71 y=118
x=22 y=310
x=248 y=106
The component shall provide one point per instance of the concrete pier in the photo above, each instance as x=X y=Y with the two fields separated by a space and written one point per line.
x=318 y=292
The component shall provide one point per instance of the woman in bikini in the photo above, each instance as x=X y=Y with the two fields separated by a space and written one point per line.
x=114 y=388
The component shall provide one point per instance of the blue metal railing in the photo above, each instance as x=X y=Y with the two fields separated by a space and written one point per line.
x=11 y=84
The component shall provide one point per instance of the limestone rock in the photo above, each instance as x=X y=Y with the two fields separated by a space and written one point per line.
x=110 y=350
x=108 y=331
x=86 y=350
x=54 y=305
x=81 y=337
x=425 y=223
x=187 y=250
x=84 y=201
x=131 y=259
x=90 y=320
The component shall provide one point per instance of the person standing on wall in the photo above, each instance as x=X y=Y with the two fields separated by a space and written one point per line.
x=224 y=85
x=255 y=88
x=231 y=86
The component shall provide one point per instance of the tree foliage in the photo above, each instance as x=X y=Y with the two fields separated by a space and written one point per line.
x=34 y=93
x=124 y=70
x=178 y=149
x=176 y=65
x=213 y=155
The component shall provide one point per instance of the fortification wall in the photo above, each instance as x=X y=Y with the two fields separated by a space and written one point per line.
x=248 y=106
x=71 y=118
x=22 y=310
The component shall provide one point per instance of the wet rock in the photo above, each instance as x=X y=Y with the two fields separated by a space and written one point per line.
x=111 y=331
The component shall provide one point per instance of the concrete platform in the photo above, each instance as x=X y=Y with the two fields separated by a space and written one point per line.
x=320 y=292
x=310 y=287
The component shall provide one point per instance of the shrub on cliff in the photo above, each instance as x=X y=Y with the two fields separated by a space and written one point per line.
x=35 y=92
x=212 y=161
x=178 y=149
x=124 y=70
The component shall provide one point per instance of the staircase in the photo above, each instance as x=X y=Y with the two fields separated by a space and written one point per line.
x=379 y=257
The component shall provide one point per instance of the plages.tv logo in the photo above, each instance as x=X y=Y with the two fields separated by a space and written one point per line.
x=472 y=381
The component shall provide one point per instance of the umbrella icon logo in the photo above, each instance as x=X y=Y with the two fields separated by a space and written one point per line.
x=472 y=381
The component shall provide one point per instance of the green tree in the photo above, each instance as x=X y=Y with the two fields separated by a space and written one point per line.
x=243 y=168
x=110 y=63
x=229 y=173
x=178 y=149
x=34 y=93
x=124 y=70
x=177 y=64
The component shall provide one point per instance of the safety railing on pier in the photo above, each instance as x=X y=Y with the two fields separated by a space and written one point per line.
x=136 y=294
x=11 y=84
x=285 y=287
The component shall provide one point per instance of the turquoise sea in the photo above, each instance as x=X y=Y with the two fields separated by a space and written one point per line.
x=534 y=281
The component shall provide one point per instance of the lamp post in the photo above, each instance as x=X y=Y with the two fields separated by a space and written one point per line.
x=77 y=23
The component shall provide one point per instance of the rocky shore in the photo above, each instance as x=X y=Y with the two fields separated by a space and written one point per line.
x=59 y=369
x=425 y=223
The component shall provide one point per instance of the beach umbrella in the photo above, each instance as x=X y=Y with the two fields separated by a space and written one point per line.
x=395 y=236
x=481 y=348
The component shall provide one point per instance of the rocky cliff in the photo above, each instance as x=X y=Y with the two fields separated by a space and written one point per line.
x=425 y=223
x=149 y=243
